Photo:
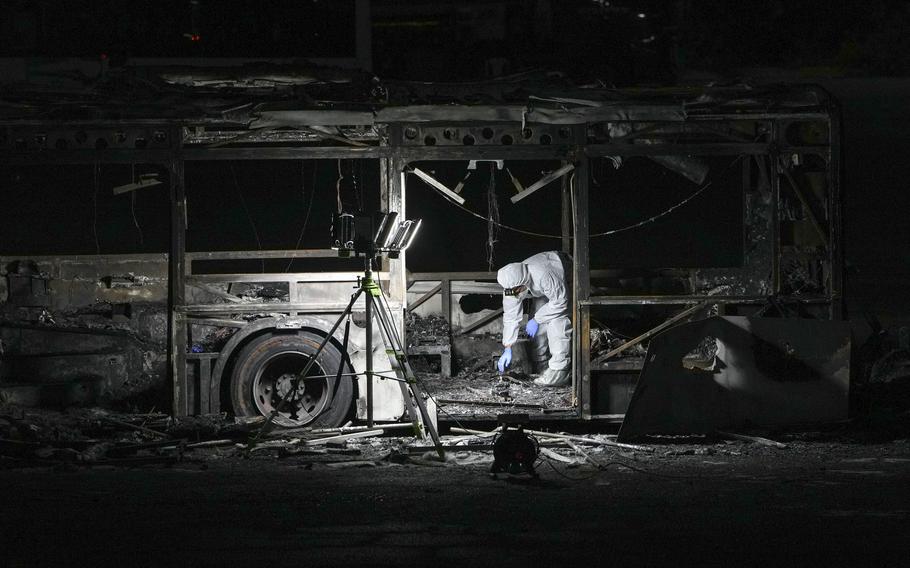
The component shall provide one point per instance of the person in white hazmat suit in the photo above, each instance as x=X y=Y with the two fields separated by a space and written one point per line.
x=544 y=278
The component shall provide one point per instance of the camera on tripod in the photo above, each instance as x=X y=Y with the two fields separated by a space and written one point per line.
x=372 y=234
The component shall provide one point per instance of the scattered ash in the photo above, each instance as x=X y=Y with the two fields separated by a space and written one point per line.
x=605 y=339
x=211 y=339
x=430 y=330
x=486 y=393
x=702 y=356
x=264 y=293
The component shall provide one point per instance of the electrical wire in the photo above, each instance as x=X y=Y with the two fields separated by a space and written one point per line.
x=356 y=176
x=492 y=217
x=338 y=186
x=610 y=232
x=135 y=220
x=249 y=216
x=666 y=212
x=133 y=207
x=306 y=216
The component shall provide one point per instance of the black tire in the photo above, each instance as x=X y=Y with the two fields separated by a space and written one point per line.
x=262 y=373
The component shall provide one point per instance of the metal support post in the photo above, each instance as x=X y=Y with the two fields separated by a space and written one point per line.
x=566 y=216
x=581 y=282
x=369 y=347
x=177 y=332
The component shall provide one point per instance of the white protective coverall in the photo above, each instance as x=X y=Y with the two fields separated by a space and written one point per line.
x=544 y=275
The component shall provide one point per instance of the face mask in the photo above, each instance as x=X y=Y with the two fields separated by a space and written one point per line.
x=520 y=292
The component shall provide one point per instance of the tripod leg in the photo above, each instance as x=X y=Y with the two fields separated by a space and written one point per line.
x=403 y=366
x=393 y=359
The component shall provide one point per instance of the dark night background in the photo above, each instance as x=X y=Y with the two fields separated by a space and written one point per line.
x=826 y=494
x=860 y=51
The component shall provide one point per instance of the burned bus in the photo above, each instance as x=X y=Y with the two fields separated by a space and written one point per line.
x=173 y=247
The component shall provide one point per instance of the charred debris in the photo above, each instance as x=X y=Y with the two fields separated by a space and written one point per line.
x=671 y=351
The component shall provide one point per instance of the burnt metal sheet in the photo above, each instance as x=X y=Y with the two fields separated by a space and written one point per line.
x=534 y=114
x=764 y=372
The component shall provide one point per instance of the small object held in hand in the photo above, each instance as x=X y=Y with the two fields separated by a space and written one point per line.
x=505 y=360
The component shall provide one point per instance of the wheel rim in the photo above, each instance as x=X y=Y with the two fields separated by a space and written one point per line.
x=272 y=381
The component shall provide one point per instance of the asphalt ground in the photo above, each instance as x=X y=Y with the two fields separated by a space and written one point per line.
x=723 y=504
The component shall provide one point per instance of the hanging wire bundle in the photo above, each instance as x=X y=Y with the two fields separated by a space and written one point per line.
x=308 y=204
x=492 y=217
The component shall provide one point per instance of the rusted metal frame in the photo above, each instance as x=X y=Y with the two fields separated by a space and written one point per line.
x=277 y=307
x=481 y=322
x=671 y=300
x=396 y=201
x=423 y=299
x=654 y=330
x=216 y=322
x=581 y=283
x=676 y=300
x=720 y=149
x=215 y=292
x=676 y=128
x=177 y=325
x=774 y=179
x=746 y=187
x=442 y=153
x=446 y=292
x=807 y=206
x=261 y=254
x=83 y=258
x=433 y=276
x=835 y=219
x=748 y=116
x=280 y=277
x=272 y=153
x=566 y=215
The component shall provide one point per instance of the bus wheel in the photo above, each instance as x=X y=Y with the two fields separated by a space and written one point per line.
x=265 y=371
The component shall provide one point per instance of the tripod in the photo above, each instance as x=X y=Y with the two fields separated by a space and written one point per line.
x=376 y=305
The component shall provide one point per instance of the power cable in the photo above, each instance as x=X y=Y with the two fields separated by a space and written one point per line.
x=306 y=217
x=338 y=187
x=651 y=219
x=133 y=207
x=492 y=217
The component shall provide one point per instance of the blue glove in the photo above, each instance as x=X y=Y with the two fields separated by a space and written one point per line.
x=505 y=360
x=532 y=326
